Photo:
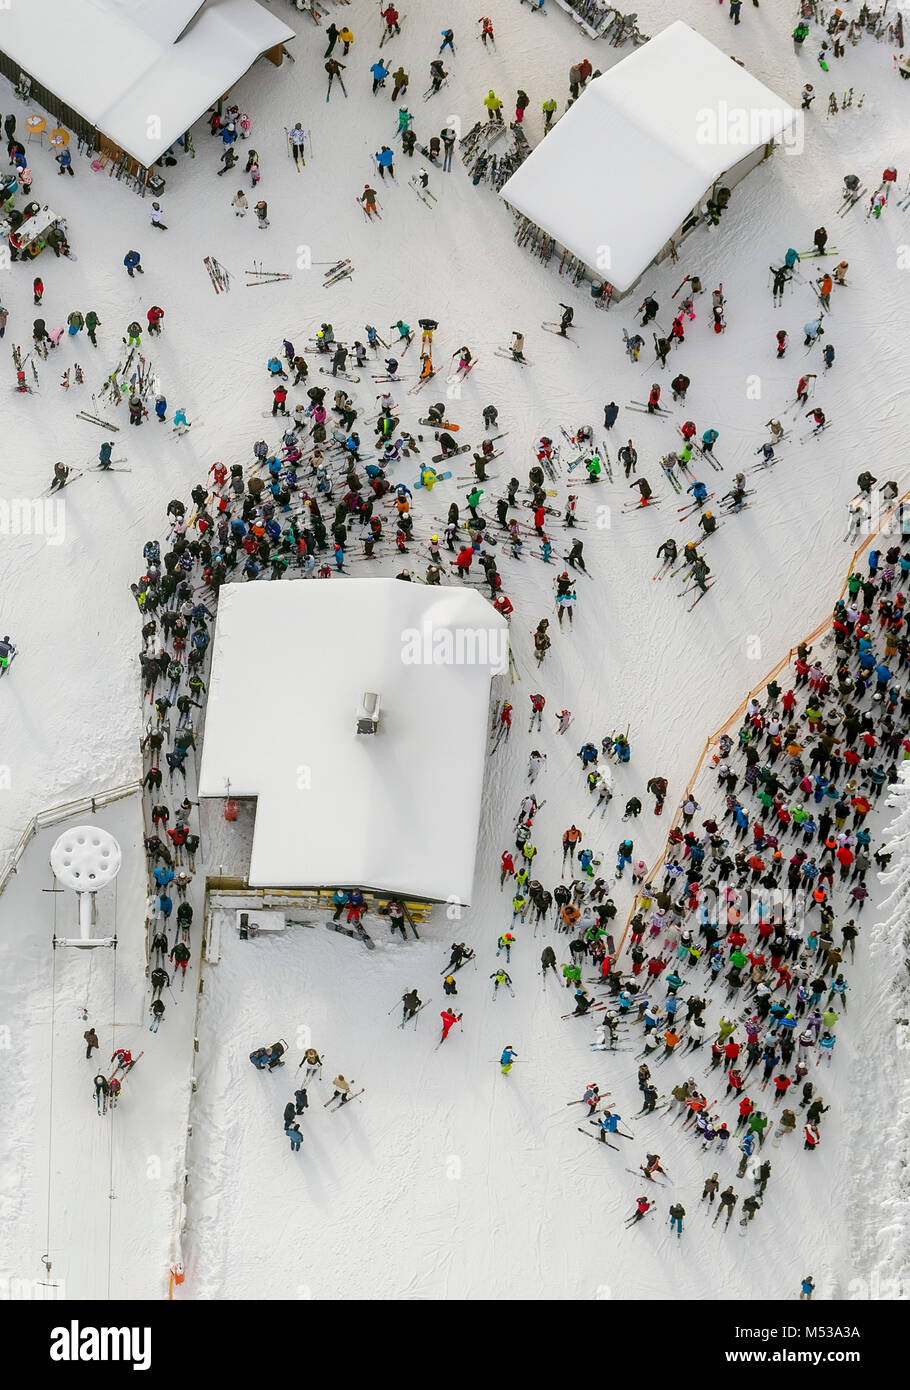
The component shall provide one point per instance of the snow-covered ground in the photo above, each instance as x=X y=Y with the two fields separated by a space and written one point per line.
x=444 y=1180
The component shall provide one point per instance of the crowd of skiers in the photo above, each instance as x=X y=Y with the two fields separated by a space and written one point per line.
x=740 y=946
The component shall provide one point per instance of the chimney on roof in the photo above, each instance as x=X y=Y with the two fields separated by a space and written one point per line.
x=368 y=714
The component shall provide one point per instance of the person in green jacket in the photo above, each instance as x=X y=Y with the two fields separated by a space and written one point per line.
x=76 y=323
x=91 y=323
x=758 y=1123
x=572 y=975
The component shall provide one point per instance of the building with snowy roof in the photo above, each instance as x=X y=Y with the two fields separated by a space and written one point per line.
x=129 y=77
x=628 y=171
x=356 y=712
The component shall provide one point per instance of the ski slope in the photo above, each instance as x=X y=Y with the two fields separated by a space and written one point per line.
x=444 y=1180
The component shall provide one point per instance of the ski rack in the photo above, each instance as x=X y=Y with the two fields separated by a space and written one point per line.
x=592 y=17
x=480 y=139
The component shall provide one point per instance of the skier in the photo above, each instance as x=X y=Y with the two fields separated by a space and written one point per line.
x=727 y=1201
x=643 y=1206
x=101 y=1093
x=296 y=137
x=677 y=1212
x=508 y=1056
x=548 y=960
x=565 y=322
x=160 y=979
x=449 y=1019
x=500 y=977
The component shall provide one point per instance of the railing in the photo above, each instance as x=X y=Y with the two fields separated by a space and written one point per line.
x=55 y=814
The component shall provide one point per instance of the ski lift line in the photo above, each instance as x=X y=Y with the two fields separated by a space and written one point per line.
x=894 y=510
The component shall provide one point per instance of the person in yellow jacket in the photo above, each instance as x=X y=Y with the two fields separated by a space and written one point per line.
x=549 y=111
x=347 y=38
x=493 y=105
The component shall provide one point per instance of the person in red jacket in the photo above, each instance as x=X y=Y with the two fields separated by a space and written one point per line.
x=745 y=1110
x=655 y=966
x=642 y=1207
x=503 y=605
x=154 y=316
x=463 y=561
x=782 y=1084
x=38 y=288
x=507 y=868
x=812 y=1137
x=734 y=1081
x=731 y=1052
x=280 y=396
x=449 y=1019
x=654 y=399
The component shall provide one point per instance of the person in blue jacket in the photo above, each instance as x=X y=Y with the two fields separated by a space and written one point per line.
x=163 y=876
x=448 y=39
x=623 y=856
x=131 y=261
x=609 y=1124
x=384 y=159
x=380 y=73
x=587 y=753
x=293 y=1133
x=65 y=160
x=622 y=749
x=276 y=369
x=161 y=408
x=340 y=899
x=708 y=440
x=584 y=862
x=164 y=905
x=806 y=1287
x=699 y=493
x=505 y=1061
x=791 y=259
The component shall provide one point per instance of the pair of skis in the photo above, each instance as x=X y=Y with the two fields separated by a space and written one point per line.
x=423 y=194
x=555 y=328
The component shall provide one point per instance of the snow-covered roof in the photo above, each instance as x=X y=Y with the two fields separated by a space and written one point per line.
x=123 y=65
x=632 y=156
x=397 y=810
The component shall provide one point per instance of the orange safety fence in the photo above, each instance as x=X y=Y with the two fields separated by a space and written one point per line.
x=784 y=661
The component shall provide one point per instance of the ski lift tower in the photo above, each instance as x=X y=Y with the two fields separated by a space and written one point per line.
x=86 y=859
